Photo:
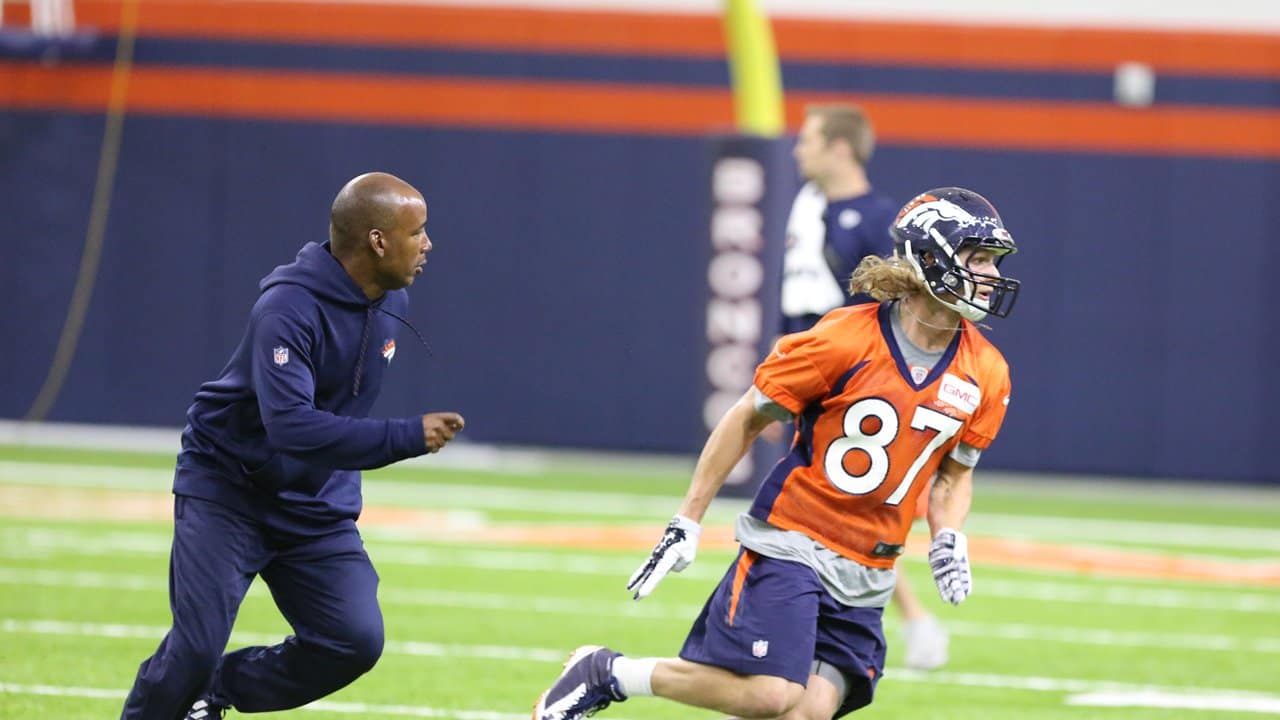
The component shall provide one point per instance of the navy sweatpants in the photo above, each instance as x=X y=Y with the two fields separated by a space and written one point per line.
x=325 y=586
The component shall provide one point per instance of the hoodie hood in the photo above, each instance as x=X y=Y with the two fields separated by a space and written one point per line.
x=317 y=270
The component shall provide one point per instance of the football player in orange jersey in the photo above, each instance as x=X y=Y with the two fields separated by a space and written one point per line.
x=884 y=397
x=837 y=219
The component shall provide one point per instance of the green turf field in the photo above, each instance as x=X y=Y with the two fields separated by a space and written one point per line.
x=476 y=628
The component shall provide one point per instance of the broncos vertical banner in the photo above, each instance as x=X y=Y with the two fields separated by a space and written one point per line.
x=752 y=182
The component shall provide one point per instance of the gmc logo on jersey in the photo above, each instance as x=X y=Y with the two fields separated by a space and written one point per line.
x=961 y=394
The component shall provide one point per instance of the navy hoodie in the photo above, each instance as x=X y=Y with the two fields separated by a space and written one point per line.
x=282 y=434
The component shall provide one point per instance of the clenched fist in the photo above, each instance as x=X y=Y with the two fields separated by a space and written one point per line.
x=439 y=428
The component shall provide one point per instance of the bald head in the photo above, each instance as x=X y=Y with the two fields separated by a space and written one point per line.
x=367 y=202
x=378 y=231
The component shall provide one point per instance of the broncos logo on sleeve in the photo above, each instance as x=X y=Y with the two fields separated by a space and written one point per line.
x=869 y=437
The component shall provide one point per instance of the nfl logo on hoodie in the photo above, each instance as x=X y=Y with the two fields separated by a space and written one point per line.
x=280 y=354
x=760 y=648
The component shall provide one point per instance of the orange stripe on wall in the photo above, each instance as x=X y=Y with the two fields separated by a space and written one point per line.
x=1028 y=48
x=17 y=15
x=373 y=99
x=1002 y=47
x=498 y=28
x=1065 y=126
x=926 y=121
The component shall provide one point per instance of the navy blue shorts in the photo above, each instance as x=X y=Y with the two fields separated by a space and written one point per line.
x=774 y=617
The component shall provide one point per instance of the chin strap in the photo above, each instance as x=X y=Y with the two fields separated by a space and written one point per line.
x=967 y=309
x=969 y=312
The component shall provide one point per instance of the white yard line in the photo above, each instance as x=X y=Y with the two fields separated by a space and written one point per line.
x=38 y=542
x=364 y=709
x=535 y=604
x=385 y=492
x=1089 y=531
x=460 y=455
x=1110 y=593
x=550 y=502
x=1086 y=692
x=1114 y=638
x=155 y=632
x=320 y=705
x=1049 y=684
x=111 y=477
x=1178 y=701
x=614 y=505
x=62 y=691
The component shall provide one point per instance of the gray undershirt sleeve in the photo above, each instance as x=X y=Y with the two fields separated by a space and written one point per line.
x=765 y=404
x=966 y=454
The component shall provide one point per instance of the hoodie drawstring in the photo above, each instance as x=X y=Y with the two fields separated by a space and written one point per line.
x=407 y=324
x=364 y=345
x=364 y=342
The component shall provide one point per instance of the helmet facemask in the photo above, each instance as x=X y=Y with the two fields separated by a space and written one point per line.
x=955 y=286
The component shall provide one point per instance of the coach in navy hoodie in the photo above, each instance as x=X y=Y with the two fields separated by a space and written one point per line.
x=268 y=480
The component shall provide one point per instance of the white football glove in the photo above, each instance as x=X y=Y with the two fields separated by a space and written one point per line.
x=949 y=558
x=673 y=553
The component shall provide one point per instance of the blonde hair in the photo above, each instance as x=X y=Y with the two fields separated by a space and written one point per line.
x=890 y=278
x=847 y=122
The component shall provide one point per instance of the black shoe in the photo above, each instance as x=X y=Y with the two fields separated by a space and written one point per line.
x=205 y=710
x=586 y=686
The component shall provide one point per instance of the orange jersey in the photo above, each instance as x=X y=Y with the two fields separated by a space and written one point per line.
x=869 y=438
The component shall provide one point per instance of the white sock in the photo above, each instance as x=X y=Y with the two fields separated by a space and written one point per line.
x=634 y=674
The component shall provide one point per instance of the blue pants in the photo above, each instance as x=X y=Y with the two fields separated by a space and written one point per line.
x=774 y=617
x=324 y=585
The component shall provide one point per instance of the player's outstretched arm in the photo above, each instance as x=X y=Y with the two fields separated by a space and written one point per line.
x=949 y=502
x=727 y=444
x=678 y=546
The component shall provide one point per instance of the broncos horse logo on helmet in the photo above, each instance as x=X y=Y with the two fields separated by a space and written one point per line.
x=932 y=229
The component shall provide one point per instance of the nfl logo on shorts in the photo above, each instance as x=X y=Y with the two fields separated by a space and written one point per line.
x=760 y=648
x=281 y=355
